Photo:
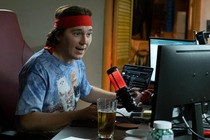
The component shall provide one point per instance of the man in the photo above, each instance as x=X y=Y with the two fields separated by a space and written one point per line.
x=54 y=79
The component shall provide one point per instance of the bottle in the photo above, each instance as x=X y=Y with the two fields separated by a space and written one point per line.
x=122 y=91
x=161 y=131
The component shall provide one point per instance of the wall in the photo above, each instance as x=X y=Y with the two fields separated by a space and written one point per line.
x=36 y=20
x=204 y=14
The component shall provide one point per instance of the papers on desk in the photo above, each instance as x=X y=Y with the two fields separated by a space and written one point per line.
x=74 y=138
x=123 y=111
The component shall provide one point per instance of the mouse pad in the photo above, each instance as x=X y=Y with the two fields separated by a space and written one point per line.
x=127 y=125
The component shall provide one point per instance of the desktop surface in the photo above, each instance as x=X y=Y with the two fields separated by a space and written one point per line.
x=119 y=133
x=88 y=130
x=91 y=132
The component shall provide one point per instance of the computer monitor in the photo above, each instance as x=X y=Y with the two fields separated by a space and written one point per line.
x=153 y=47
x=182 y=78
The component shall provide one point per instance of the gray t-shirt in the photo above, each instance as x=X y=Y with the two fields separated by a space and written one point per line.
x=48 y=84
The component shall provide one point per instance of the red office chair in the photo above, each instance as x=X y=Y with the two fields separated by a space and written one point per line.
x=14 y=52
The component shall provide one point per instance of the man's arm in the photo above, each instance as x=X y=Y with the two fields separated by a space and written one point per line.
x=96 y=93
x=40 y=121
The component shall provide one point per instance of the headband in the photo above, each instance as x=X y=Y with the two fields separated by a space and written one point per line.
x=72 y=21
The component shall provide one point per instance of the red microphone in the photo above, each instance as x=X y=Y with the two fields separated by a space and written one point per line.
x=123 y=95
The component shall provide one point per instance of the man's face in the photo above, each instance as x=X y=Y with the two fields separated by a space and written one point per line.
x=75 y=42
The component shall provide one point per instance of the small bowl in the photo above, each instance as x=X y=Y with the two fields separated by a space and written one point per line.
x=140 y=133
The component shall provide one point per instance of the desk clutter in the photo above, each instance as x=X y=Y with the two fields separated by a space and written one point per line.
x=135 y=125
x=83 y=130
x=143 y=118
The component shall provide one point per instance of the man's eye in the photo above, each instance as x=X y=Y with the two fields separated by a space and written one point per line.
x=89 y=34
x=77 y=33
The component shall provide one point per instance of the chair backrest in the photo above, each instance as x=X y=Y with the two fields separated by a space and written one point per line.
x=14 y=52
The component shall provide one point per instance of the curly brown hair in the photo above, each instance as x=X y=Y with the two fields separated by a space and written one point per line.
x=62 y=11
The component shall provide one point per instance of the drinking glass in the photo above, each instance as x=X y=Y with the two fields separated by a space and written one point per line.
x=106 y=117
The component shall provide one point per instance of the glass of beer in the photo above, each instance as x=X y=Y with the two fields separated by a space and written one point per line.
x=106 y=117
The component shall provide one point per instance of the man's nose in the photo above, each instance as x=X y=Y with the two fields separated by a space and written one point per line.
x=84 y=39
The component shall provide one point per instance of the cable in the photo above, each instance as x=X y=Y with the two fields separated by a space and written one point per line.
x=206 y=118
x=187 y=125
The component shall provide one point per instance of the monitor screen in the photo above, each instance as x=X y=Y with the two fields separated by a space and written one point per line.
x=137 y=76
x=153 y=47
x=182 y=78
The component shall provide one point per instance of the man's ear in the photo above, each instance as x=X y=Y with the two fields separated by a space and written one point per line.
x=58 y=36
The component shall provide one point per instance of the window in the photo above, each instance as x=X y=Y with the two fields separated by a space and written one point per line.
x=117 y=36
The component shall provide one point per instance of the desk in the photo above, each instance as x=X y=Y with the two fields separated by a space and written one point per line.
x=85 y=133
x=91 y=133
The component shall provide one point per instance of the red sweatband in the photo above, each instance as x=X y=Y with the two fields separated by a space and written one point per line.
x=72 y=21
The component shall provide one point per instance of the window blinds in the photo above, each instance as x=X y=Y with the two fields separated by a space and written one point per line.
x=122 y=31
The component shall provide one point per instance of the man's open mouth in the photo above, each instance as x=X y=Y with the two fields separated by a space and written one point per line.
x=81 y=49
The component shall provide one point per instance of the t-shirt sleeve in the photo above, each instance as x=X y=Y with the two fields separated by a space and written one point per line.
x=32 y=92
x=85 y=86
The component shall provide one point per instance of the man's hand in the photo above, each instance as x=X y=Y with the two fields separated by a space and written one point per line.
x=88 y=113
x=146 y=96
x=143 y=97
